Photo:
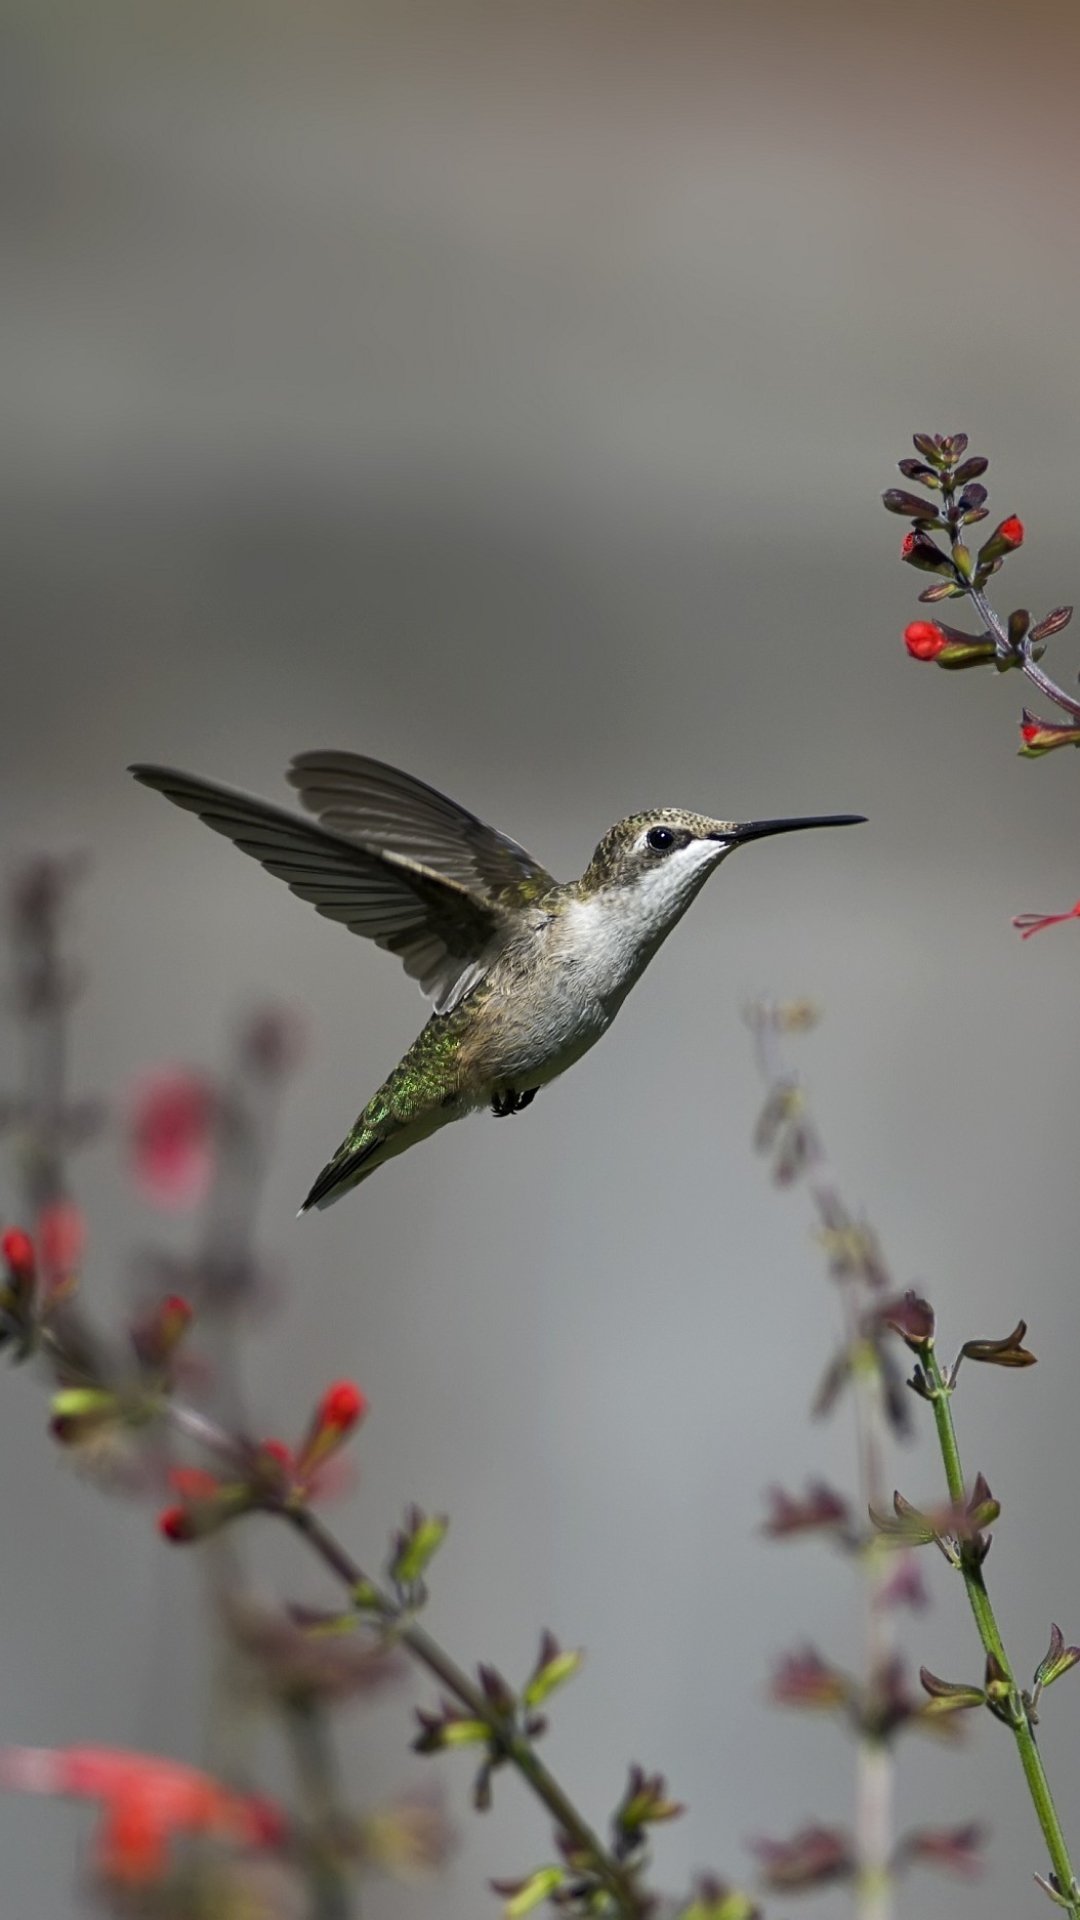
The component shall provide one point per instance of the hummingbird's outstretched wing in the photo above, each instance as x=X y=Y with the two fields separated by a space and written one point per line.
x=446 y=932
x=379 y=805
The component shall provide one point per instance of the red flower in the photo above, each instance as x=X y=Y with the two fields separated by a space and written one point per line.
x=1011 y=532
x=172 y=1138
x=924 y=640
x=907 y=544
x=147 y=1804
x=1029 y=923
x=62 y=1239
x=18 y=1251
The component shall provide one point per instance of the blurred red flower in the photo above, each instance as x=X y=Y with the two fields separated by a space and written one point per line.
x=147 y=1803
x=61 y=1239
x=171 y=1137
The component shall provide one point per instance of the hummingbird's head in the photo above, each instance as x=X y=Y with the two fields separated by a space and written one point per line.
x=659 y=861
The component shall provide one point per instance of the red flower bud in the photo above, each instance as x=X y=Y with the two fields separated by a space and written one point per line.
x=340 y=1409
x=176 y=1524
x=924 y=640
x=1011 y=532
x=156 y=1337
x=18 y=1251
x=341 y=1406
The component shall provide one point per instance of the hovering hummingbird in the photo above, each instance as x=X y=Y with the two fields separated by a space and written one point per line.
x=525 y=974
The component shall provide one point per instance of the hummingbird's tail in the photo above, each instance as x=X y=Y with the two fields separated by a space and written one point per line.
x=421 y=1095
x=353 y=1161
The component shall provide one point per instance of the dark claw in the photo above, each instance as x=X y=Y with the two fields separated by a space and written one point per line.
x=509 y=1102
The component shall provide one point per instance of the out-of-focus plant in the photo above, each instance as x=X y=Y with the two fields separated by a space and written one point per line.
x=877 y=1704
x=152 y=1414
x=960 y=1527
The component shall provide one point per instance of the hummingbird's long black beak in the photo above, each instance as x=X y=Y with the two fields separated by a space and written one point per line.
x=759 y=829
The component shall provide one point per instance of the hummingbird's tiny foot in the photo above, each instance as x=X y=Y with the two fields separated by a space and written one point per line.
x=509 y=1102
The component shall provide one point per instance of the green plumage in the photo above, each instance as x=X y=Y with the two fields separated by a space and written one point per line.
x=421 y=1094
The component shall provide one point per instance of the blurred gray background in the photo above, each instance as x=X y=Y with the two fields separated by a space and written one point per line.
x=507 y=393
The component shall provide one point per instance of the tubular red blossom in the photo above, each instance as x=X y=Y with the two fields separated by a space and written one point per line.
x=18 y=1251
x=172 y=1137
x=1029 y=923
x=147 y=1804
x=924 y=640
x=1011 y=531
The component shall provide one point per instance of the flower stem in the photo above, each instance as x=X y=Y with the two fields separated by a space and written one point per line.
x=1016 y=1708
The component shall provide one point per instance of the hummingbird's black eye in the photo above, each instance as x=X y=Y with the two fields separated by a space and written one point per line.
x=660 y=839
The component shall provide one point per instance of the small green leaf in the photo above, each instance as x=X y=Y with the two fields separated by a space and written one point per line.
x=529 y=1893
x=553 y=1668
x=415 y=1546
x=465 y=1733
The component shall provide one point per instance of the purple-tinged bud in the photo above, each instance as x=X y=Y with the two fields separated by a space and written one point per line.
x=821 y=1509
x=949 y=1696
x=923 y=512
x=1001 y=1353
x=920 y=551
x=1057 y=1660
x=915 y=470
x=1054 y=621
x=912 y=1318
x=813 y=1857
x=959 y=1849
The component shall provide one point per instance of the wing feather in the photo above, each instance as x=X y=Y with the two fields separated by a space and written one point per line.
x=446 y=933
x=368 y=801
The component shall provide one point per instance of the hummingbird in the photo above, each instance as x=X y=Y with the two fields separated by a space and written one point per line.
x=525 y=974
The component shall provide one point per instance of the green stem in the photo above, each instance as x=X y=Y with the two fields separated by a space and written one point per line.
x=307 y=1733
x=1018 y=1711
x=514 y=1745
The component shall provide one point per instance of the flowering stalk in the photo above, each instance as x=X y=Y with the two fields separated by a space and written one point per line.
x=855 y=1264
x=1010 y=1702
x=943 y=470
